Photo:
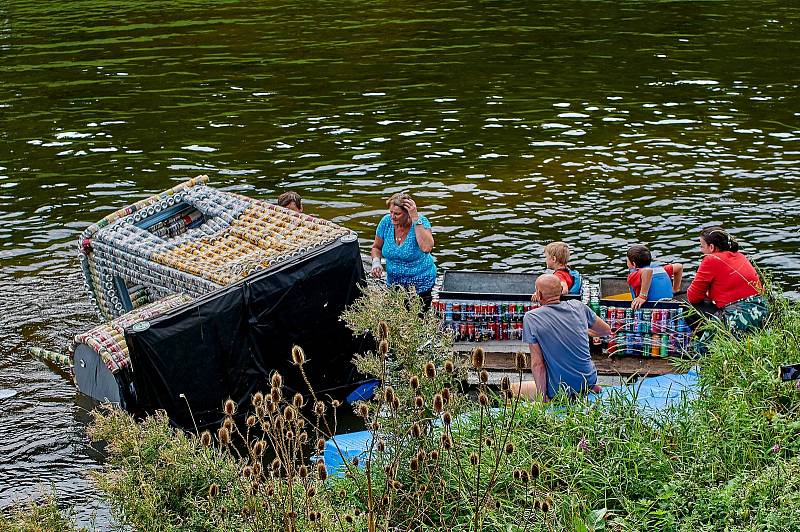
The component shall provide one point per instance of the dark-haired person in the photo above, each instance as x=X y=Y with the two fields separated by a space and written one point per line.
x=291 y=200
x=726 y=284
x=404 y=239
x=648 y=280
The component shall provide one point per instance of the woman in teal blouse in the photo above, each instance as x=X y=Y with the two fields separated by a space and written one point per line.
x=404 y=239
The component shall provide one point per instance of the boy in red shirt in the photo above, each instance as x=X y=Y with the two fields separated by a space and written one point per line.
x=556 y=257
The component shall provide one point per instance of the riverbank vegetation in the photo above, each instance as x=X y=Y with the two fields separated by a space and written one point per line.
x=442 y=458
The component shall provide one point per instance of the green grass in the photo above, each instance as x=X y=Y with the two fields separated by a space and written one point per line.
x=729 y=460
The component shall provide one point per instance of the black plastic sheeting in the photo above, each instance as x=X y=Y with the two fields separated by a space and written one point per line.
x=227 y=344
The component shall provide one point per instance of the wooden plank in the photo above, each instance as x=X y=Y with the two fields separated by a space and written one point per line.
x=501 y=356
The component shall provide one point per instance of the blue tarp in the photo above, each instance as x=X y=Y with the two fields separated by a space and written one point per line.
x=655 y=396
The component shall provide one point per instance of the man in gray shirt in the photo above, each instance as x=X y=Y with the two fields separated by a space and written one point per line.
x=557 y=335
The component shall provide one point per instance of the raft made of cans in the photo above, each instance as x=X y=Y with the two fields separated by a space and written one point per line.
x=481 y=306
x=205 y=292
x=490 y=306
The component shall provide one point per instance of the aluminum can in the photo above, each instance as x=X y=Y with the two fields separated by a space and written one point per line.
x=456 y=308
x=655 y=322
x=664 y=345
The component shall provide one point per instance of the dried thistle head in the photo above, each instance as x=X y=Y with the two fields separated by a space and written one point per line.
x=416 y=430
x=419 y=401
x=438 y=403
x=388 y=394
x=488 y=441
x=250 y=421
x=383 y=348
x=289 y=413
x=521 y=361
x=363 y=410
x=259 y=447
x=445 y=395
x=224 y=435
x=228 y=423
x=413 y=382
x=414 y=465
x=395 y=404
x=505 y=383
x=434 y=455
x=311 y=492
x=275 y=465
x=320 y=444
x=229 y=407
x=484 y=376
x=260 y=412
x=517 y=474
x=275 y=396
x=298 y=355
x=447 y=418
x=303 y=437
x=447 y=442
x=473 y=458
x=430 y=370
x=546 y=505
x=478 y=358
x=213 y=490
x=525 y=476
x=509 y=448
x=396 y=485
x=205 y=438
x=277 y=380
x=535 y=470
x=302 y=472
x=336 y=403
x=298 y=400
x=483 y=399
x=383 y=330
x=247 y=472
x=355 y=461
x=449 y=367
x=319 y=409
x=380 y=445
x=322 y=471
x=257 y=399
x=375 y=426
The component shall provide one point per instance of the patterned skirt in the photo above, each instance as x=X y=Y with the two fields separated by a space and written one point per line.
x=745 y=315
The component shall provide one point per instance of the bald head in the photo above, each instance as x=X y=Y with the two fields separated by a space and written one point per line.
x=549 y=286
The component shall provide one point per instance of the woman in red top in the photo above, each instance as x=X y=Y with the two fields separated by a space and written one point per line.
x=726 y=284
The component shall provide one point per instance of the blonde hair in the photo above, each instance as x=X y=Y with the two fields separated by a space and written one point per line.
x=558 y=251
x=397 y=200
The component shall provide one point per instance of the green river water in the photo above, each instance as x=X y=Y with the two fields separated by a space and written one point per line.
x=513 y=123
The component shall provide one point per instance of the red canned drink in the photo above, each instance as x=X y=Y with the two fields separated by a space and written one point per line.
x=463 y=332
x=471 y=332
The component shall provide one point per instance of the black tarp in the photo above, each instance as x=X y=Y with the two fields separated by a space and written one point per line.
x=228 y=343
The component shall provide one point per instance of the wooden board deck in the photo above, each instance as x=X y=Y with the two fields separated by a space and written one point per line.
x=500 y=358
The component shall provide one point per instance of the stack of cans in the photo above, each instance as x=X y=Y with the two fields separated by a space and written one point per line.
x=480 y=321
x=657 y=332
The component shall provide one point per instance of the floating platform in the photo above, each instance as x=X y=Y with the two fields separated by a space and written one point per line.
x=205 y=293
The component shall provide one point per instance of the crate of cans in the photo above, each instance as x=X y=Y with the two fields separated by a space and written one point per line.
x=473 y=320
x=657 y=329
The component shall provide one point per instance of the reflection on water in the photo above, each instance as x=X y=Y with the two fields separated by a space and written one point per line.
x=602 y=124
